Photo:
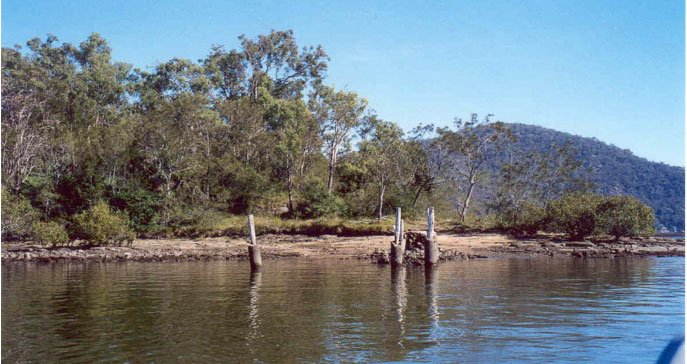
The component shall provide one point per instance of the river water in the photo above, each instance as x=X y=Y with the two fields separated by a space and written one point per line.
x=301 y=310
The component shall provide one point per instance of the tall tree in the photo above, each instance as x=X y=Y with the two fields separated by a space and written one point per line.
x=25 y=117
x=536 y=178
x=386 y=157
x=432 y=161
x=275 y=58
x=296 y=140
x=338 y=113
x=473 y=142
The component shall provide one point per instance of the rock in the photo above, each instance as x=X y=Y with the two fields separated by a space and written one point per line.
x=415 y=241
x=580 y=244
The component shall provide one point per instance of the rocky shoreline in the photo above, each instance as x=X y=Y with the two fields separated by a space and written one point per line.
x=374 y=248
x=636 y=247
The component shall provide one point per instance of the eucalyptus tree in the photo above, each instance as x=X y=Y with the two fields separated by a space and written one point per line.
x=227 y=72
x=535 y=178
x=432 y=161
x=385 y=154
x=473 y=142
x=276 y=58
x=296 y=140
x=25 y=116
x=176 y=136
x=80 y=94
x=338 y=114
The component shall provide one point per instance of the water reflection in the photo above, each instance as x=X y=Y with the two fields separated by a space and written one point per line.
x=253 y=315
x=400 y=294
x=515 y=310
x=431 y=276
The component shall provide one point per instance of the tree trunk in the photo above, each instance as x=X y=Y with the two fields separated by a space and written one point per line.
x=466 y=203
x=419 y=190
x=381 y=200
x=290 y=193
x=332 y=164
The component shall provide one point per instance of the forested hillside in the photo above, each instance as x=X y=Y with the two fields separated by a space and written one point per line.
x=615 y=171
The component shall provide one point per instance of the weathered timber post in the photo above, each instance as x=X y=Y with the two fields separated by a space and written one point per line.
x=398 y=245
x=253 y=248
x=431 y=245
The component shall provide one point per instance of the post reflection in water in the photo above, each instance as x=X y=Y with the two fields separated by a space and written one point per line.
x=431 y=277
x=253 y=313
x=400 y=294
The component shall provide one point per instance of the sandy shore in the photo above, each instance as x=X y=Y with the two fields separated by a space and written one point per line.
x=374 y=248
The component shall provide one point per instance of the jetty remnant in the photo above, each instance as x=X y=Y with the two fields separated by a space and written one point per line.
x=253 y=248
x=431 y=245
x=398 y=246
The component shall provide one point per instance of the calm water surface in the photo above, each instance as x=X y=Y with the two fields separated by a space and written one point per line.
x=488 y=311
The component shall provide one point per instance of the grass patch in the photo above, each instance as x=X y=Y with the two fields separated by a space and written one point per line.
x=237 y=225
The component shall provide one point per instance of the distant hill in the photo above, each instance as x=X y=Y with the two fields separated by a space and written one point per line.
x=616 y=171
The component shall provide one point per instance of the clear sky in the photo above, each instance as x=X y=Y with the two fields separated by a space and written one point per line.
x=614 y=70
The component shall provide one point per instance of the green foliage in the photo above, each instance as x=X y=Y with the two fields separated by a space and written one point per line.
x=351 y=177
x=318 y=203
x=625 y=216
x=192 y=221
x=385 y=156
x=530 y=220
x=49 y=233
x=574 y=214
x=99 y=225
x=142 y=206
x=580 y=215
x=472 y=144
x=248 y=186
x=17 y=216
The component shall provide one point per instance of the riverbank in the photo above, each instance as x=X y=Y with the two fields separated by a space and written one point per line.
x=375 y=248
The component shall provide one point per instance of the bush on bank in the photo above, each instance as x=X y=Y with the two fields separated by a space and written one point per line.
x=582 y=214
x=99 y=225
x=625 y=216
x=49 y=233
x=17 y=216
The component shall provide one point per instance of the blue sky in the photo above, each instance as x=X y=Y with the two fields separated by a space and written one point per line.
x=614 y=70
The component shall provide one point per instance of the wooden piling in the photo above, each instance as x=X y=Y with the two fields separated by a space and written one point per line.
x=430 y=223
x=431 y=245
x=253 y=248
x=398 y=245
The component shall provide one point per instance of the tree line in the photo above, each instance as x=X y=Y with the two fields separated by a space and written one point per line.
x=87 y=139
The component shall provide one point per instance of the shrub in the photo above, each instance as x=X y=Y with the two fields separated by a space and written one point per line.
x=51 y=233
x=317 y=203
x=574 y=214
x=625 y=216
x=193 y=222
x=142 y=206
x=17 y=216
x=530 y=220
x=99 y=225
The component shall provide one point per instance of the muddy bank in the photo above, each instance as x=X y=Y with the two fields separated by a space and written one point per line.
x=373 y=248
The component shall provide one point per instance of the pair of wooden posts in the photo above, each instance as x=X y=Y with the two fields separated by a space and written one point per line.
x=398 y=246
